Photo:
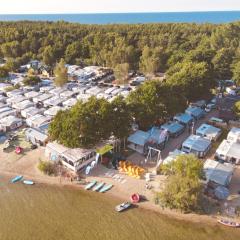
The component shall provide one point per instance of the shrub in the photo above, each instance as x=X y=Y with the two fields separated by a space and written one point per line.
x=46 y=167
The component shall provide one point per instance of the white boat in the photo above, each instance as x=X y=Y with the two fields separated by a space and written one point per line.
x=90 y=185
x=123 y=206
x=28 y=182
x=98 y=187
x=106 y=188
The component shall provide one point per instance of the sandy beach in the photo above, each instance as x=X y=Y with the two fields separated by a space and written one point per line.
x=12 y=164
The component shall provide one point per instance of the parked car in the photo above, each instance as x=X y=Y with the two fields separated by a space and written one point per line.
x=210 y=107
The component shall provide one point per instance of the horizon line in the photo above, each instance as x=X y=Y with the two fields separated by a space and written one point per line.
x=74 y=13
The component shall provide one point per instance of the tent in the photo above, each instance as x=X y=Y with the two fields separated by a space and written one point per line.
x=221 y=192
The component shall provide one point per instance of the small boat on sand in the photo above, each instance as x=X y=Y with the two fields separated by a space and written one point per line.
x=98 y=186
x=106 y=188
x=123 y=206
x=28 y=182
x=17 y=178
x=135 y=198
x=90 y=185
x=229 y=223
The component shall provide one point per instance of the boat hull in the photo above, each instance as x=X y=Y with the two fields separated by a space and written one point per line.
x=90 y=185
x=228 y=223
x=98 y=187
x=16 y=179
x=28 y=182
x=105 y=189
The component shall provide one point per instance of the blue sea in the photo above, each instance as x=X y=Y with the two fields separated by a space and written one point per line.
x=121 y=18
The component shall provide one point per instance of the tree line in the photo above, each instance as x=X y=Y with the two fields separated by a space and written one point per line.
x=149 y=48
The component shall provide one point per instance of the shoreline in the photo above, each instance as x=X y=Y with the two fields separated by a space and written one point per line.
x=118 y=195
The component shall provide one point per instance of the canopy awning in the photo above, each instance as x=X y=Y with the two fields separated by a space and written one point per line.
x=104 y=149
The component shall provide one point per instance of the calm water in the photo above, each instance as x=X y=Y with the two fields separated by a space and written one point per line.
x=106 y=18
x=47 y=213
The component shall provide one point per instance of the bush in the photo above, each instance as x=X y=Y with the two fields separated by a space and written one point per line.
x=46 y=167
x=31 y=80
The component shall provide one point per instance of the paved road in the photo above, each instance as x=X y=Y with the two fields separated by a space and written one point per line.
x=177 y=142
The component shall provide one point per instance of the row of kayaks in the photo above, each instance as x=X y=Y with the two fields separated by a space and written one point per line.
x=98 y=187
x=20 y=178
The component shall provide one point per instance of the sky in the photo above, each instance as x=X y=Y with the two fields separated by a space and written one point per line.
x=105 y=6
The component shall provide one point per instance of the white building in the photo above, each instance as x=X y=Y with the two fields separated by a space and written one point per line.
x=31 y=94
x=10 y=123
x=38 y=120
x=217 y=172
x=15 y=92
x=46 y=89
x=5 y=109
x=74 y=159
x=32 y=111
x=12 y=112
x=209 y=132
x=22 y=105
x=57 y=91
x=42 y=97
x=54 y=101
x=229 y=151
x=196 y=145
x=70 y=102
x=234 y=135
x=52 y=111
x=16 y=99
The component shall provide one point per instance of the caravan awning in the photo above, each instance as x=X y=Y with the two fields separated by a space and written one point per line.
x=104 y=149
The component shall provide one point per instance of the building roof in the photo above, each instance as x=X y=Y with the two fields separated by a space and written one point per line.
x=54 y=101
x=183 y=118
x=46 y=88
x=194 y=111
x=208 y=130
x=75 y=154
x=52 y=111
x=42 y=97
x=12 y=112
x=234 y=134
x=157 y=135
x=57 y=91
x=24 y=104
x=32 y=94
x=31 y=111
x=9 y=120
x=70 y=102
x=94 y=91
x=139 y=137
x=38 y=120
x=218 y=172
x=173 y=155
x=67 y=94
x=16 y=99
x=36 y=134
x=197 y=143
x=172 y=127
x=15 y=92
x=229 y=148
x=5 y=109
x=56 y=147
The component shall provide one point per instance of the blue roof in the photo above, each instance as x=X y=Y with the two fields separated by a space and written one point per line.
x=197 y=143
x=183 y=118
x=139 y=137
x=194 y=111
x=172 y=127
x=157 y=135
x=206 y=129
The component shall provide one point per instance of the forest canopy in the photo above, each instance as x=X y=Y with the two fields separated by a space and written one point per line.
x=148 y=48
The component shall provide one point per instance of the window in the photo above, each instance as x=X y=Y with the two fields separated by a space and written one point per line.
x=71 y=163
